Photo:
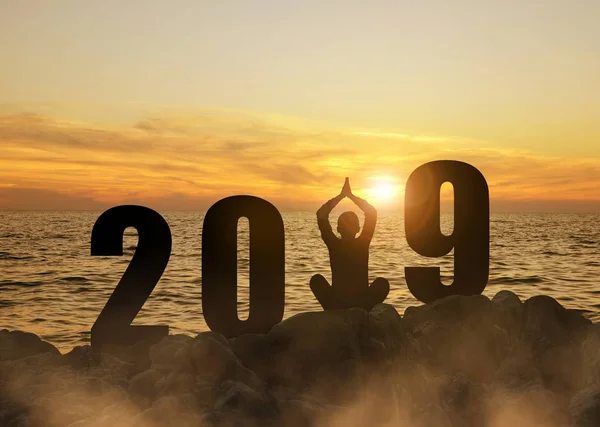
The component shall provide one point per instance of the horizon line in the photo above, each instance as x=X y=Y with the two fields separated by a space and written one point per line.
x=287 y=210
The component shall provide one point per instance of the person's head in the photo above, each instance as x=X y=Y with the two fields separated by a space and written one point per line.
x=348 y=225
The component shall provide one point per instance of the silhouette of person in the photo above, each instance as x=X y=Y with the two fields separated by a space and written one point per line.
x=349 y=258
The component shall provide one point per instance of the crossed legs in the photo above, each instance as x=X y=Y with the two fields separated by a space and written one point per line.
x=323 y=291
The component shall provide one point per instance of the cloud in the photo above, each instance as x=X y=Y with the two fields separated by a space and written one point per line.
x=15 y=198
x=187 y=161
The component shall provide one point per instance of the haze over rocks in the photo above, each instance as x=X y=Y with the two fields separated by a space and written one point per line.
x=460 y=361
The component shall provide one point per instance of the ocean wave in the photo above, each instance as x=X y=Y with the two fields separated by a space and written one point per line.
x=74 y=279
x=505 y=279
x=7 y=256
x=552 y=253
x=18 y=283
x=5 y=303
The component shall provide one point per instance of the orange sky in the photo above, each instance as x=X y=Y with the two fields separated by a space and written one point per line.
x=176 y=106
x=189 y=162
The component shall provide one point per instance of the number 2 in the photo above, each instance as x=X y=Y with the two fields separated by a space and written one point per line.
x=113 y=325
x=470 y=238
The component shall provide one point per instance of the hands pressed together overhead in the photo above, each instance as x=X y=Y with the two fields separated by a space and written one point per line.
x=346 y=190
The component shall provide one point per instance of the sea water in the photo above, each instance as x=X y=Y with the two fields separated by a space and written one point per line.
x=50 y=284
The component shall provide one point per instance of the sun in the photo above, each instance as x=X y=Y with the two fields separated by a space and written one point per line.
x=384 y=189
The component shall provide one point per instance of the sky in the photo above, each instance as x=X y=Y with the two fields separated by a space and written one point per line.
x=177 y=104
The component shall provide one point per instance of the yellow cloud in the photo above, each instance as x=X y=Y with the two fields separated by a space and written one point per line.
x=187 y=161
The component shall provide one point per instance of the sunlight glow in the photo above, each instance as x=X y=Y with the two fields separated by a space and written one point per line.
x=384 y=189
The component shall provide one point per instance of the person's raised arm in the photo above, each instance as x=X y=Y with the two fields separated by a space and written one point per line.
x=325 y=210
x=363 y=205
x=323 y=219
x=370 y=215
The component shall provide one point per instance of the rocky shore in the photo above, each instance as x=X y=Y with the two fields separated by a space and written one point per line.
x=461 y=361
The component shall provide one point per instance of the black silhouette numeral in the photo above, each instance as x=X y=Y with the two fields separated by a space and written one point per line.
x=219 y=266
x=113 y=325
x=470 y=238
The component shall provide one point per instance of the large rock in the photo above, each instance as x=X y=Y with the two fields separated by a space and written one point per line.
x=590 y=364
x=142 y=387
x=170 y=352
x=186 y=366
x=18 y=344
x=212 y=358
x=386 y=326
x=435 y=331
x=547 y=324
x=460 y=361
x=236 y=402
x=321 y=350
x=529 y=406
x=256 y=352
x=463 y=400
x=517 y=372
x=448 y=310
x=507 y=317
x=585 y=408
x=307 y=349
x=508 y=311
x=169 y=411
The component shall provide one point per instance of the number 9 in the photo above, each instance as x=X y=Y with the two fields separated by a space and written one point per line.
x=469 y=239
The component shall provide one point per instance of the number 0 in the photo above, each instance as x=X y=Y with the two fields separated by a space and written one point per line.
x=219 y=266
x=470 y=238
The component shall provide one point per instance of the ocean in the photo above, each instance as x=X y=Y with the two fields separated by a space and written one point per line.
x=51 y=286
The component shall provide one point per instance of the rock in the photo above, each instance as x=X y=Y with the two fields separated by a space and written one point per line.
x=175 y=383
x=214 y=336
x=136 y=355
x=319 y=349
x=547 y=323
x=143 y=386
x=212 y=359
x=42 y=361
x=435 y=329
x=115 y=366
x=168 y=353
x=448 y=310
x=85 y=357
x=167 y=412
x=175 y=404
x=460 y=361
x=584 y=408
x=236 y=401
x=430 y=415
x=530 y=406
x=255 y=351
x=463 y=401
x=81 y=357
x=385 y=325
x=20 y=421
x=590 y=363
x=18 y=344
x=517 y=372
x=561 y=369
x=11 y=411
x=507 y=300
x=508 y=313
x=300 y=413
